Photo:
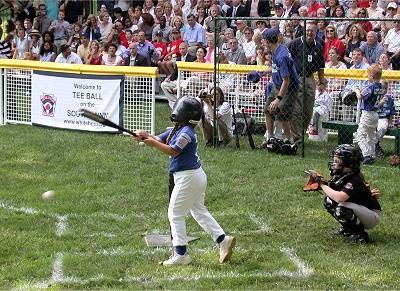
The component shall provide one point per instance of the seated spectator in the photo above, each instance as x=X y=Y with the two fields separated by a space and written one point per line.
x=313 y=6
x=74 y=33
x=201 y=14
x=340 y=25
x=235 y=54
x=358 y=63
x=167 y=65
x=352 y=11
x=105 y=26
x=122 y=51
x=168 y=12
x=375 y=12
x=228 y=35
x=331 y=39
x=135 y=15
x=5 y=49
x=110 y=58
x=60 y=29
x=93 y=56
x=164 y=29
x=35 y=44
x=159 y=11
x=240 y=27
x=66 y=56
x=177 y=22
x=42 y=21
x=390 y=13
x=209 y=22
x=372 y=49
x=27 y=26
x=148 y=7
x=21 y=45
x=331 y=7
x=91 y=28
x=356 y=36
x=83 y=49
x=146 y=49
x=334 y=60
x=118 y=29
x=47 y=53
x=236 y=10
x=249 y=46
x=392 y=43
x=194 y=34
x=322 y=27
x=147 y=26
x=135 y=59
x=223 y=114
x=48 y=36
x=261 y=25
x=384 y=61
x=160 y=47
x=117 y=14
x=366 y=25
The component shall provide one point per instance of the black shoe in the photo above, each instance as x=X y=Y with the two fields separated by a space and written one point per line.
x=288 y=148
x=379 y=151
x=209 y=143
x=368 y=160
x=361 y=237
x=344 y=232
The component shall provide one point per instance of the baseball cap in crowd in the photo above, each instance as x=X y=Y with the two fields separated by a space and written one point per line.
x=82 y=34
x=278 y=5
x=392 y=5
x=270 y=33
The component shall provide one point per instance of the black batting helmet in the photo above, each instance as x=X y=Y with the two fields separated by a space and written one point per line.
x=350 y=155
x=187 y=110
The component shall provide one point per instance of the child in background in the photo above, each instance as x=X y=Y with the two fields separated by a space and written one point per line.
x=188 y=181
x=386 y=111
x=322 y=107
x=370 y=97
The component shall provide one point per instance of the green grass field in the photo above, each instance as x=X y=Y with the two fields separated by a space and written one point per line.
x=110 y=192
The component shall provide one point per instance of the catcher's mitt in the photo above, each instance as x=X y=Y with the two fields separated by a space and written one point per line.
x=314 y=182
x=350 y=99
x=394 y=160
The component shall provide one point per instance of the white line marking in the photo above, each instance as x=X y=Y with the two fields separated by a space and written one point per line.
x=18 y=209
x=61 y=224
x=264 y=228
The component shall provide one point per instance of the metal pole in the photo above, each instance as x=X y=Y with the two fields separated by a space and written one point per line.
x=216 y=66
x=304 y=89
x=1 y=97
x=153 y=104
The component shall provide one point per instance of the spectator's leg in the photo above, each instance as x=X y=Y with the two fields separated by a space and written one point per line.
x=169 y=88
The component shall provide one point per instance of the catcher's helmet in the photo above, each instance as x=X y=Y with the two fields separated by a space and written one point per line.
x=351 y=157
x=187 y=110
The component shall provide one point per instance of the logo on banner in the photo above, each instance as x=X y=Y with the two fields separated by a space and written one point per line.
x=48 y=105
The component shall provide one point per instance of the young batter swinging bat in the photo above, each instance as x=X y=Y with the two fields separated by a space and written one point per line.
x=249 y=135
x=100 y=119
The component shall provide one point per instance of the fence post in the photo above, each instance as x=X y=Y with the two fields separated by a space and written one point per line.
x=153 y=104
x=1 y=98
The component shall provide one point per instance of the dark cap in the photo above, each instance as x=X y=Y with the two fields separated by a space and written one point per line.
x=278 y=5
x=159 y=32
x=83 y=34
x=270 y=33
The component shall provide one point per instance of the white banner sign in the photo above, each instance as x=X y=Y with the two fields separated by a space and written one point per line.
x=57 y=99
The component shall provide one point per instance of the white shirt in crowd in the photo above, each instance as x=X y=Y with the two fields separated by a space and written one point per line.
x=73 y=58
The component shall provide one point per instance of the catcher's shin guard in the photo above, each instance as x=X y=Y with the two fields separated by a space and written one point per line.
x=346 y=217
x=329 y=205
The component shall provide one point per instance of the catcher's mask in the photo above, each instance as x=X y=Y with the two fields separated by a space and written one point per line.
x=187 y=111
x=350 y=157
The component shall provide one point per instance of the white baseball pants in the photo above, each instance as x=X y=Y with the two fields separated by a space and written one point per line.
x=188 y=196
x=366 y=132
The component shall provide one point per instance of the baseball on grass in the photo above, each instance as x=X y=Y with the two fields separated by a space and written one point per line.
x=141 y=143
x=48 y=194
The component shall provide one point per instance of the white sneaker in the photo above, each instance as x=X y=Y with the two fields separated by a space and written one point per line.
x=226 y=248
x=177 y=259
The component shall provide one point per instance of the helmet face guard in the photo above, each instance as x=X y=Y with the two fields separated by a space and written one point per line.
x=187 y=111
x=350 y=158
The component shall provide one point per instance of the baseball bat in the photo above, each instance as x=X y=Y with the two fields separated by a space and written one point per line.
x=100 y=119
x=251 y=141
x=236 y=129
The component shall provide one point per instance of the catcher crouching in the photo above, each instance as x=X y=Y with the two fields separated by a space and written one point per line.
x=348 y=198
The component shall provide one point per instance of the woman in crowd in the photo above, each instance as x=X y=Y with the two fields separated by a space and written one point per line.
x=331 y=39
x=355 y=39
x=94 y=56
x=321 y=32
x=35 y=44
x=49 y=36
x=167 y=65
x=135 y=14
x=105 y=25
x=47 y=53
x=384 y=61
x=366 y=25
x=201 y=15
x=21 y=45
x=340 y=25
x=168 y=12
x=110 y=58
x=147 y=25
x=91 y=29
x=352 y=11
x=177 y=22
x=334 y=63
x=331 y=7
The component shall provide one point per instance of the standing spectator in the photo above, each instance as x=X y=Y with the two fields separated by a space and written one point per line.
x=91 y=28
x=35 y=44
x=135 y=59
x=237 y=10
x=110 y=58
x=372 y=49
x=146 y=48
x=194 y=34
x=164 y=29
x=105 y=26
x=42 y=21
x=84 y=47
x=331 y=39
x=67 y=56
x=147 y=26
x=260 y=8
x=47 y=53
x=73 y=10
x=313 y=63
x=21 y=45
x=93 y=56
x=392 y=43
x=356 y=35
x=235 y=54
x=375 y=12
x=209 y=22
x=60 y=29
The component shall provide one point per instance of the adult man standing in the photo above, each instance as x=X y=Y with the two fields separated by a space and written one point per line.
x=237 y=10
x=313 y=62
x=60 y=29
x=146 y=48
x=285 y=91
x=170 y=86
x=42 y=22
x=194 y=35
x=372 y=49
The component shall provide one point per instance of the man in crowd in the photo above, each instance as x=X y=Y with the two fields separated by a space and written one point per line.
x=194 y=35
x=372 y=49
x=66 y=56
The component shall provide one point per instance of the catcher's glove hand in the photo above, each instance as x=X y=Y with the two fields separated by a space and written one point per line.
x=315 y=181
x=350 y=99
x=394 y=160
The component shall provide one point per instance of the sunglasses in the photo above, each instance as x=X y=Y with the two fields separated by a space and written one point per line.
x=330 y=30
x=391 y=8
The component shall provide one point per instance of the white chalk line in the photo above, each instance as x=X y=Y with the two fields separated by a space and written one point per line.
x=303 y=271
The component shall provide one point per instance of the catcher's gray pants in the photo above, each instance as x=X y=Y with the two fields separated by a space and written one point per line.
x=168 y=87
x=366 y=132
x=188 y=196
x=369 y=218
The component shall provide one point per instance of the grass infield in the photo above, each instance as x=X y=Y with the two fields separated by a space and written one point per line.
x=110 y=192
